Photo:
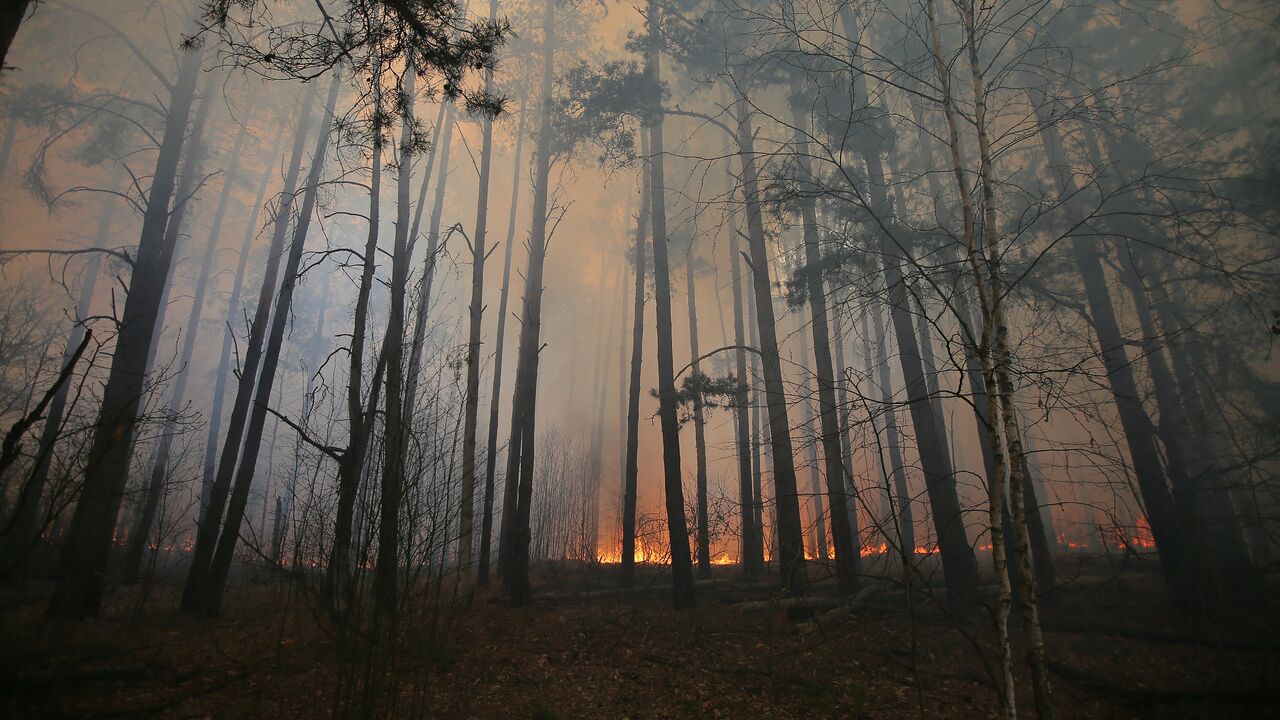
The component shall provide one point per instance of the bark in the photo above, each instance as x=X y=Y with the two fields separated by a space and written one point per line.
x=846 y=446
x=1222 y=521
x=1040 y=527
x=597 y=433
x=141 y=532
x=513 y=555
x=445 y=143
x=758 y=440
x=958 y=563
x=790 y=547
x=79 y=589
x=230 y=536
x=844 y=533
x=495 y=397
x=677 y=529
x=193 y=592
x=631 y=464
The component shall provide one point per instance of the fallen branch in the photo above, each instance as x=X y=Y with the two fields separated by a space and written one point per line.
x=845 y=610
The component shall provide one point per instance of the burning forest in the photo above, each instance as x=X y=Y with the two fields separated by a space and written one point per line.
x=652 y=359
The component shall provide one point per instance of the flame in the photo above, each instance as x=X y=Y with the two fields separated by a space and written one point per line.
x=869 y=550
x=645 y=552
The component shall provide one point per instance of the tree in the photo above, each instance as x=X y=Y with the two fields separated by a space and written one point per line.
x=194 y=594
x=12 y=13
x=677 y=529
x=80 y=585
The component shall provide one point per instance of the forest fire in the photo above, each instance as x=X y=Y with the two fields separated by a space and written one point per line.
x=344 y=345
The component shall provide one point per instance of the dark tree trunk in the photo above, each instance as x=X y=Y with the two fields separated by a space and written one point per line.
x=790 y=547
x=699 y=426
x=12 y=13
x=677 y=529
x=513 y=554
x=1204 y=505
x=141 y=532
x=337 y=591
x=1171 y=541
x=844 y=531
x=29 y=522
x=959 y=566
x=491 y=451
x=228 y=337
x=78 y=592
x=193 y=592
x=752 y=550
x=901 y=505
x=807 y=417
x=398 y=405
x=476 y=319
x=230 y=535
x=632 y=461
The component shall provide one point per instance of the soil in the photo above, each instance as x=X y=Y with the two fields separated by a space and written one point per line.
x=1117 y=650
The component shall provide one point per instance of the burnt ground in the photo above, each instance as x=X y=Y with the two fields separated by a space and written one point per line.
x=1117 y=649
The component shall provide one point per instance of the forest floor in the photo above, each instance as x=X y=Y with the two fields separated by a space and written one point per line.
x=1118 y=651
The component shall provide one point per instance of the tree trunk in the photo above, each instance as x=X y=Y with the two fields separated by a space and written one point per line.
x=699 y=425
x=677 y=529
x=752 y=550
x=78 y=592
x=137 y=541
x=631 y=464
x=807 y=418
x=790 y=548
x=844 y=533
x=399 y=404
x=906 y=521
x=1170 y=539
x=230 y=536
x=336 y=593
x=28 y=522
x=476 y=311
x=12 y=13
x=491 y=451
x=513 y=556
x=193 y=592
x=228 y=337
